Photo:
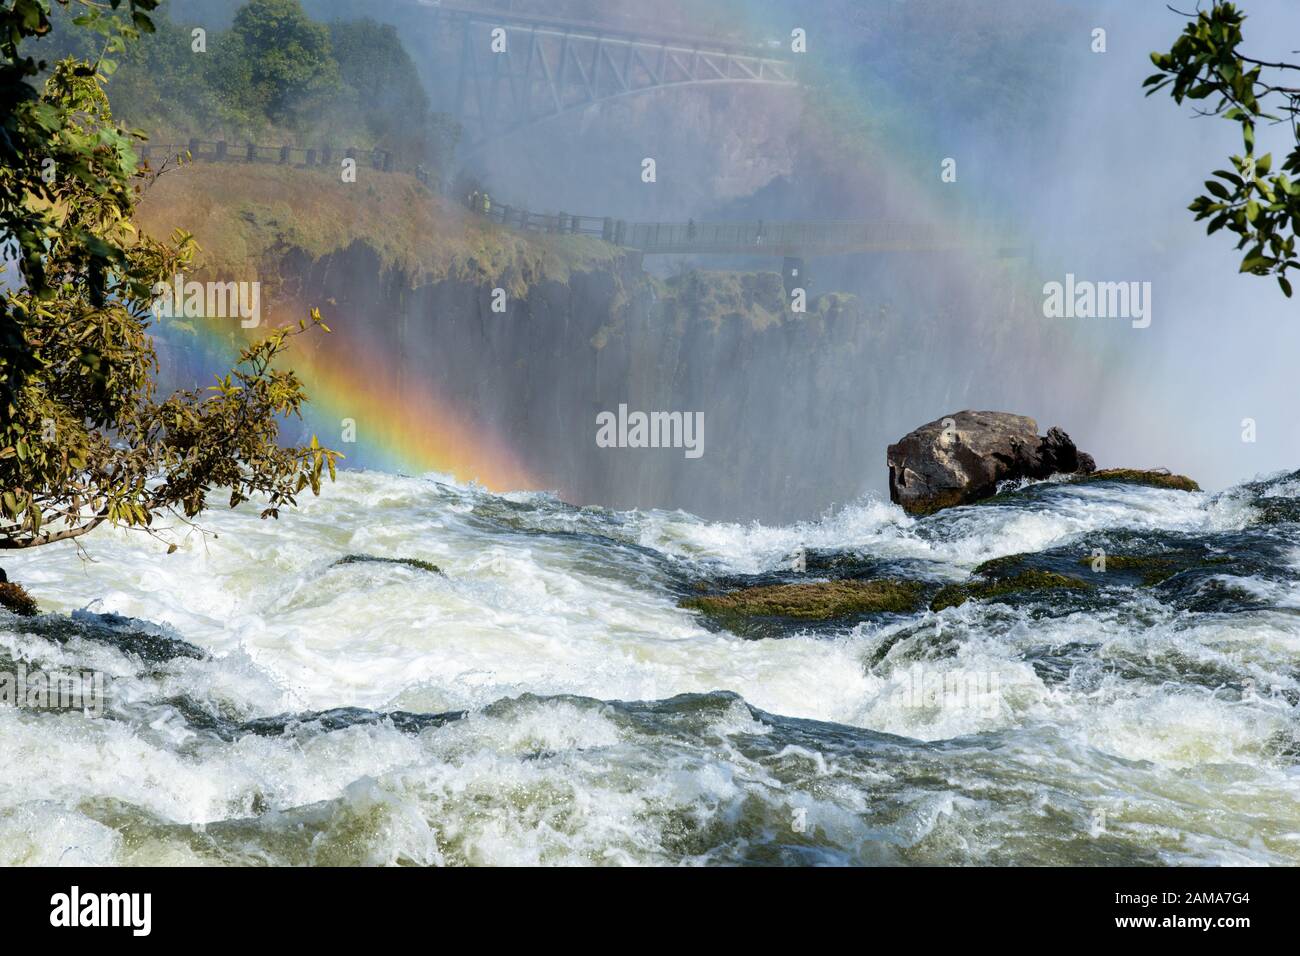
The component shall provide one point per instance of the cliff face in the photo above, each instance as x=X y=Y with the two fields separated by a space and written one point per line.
x=797 y=408
x=540 y=374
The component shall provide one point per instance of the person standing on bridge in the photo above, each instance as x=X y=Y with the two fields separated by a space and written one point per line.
x=487 y=204
x=690 y=231
x=758 y=240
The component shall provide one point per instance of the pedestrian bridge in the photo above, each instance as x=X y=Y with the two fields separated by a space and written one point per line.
x=786 y=239
x=514 y=69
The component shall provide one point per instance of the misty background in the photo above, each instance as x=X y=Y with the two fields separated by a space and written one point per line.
x=1058 y=154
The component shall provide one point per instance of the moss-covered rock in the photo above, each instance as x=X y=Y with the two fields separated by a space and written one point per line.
x=1134 y=476
x=247 y=217
x=954 y=595
x=1270 y=511
x=817 y=601
x=1000 y=567
x=370 y=559
x=1156 y=568
x=15 y=598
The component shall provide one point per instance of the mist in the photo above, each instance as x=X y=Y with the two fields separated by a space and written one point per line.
x=1063 y=168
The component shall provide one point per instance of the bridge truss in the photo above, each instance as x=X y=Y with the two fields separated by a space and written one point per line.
x=551 y=66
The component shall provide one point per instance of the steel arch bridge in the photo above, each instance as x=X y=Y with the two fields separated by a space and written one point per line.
x=551 y=66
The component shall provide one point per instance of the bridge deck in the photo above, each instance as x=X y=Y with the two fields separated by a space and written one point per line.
x=799 y=239
x=625 y=28
x=752 y=238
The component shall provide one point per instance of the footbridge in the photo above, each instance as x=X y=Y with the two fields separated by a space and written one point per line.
x=515 y=69
x=791 y=241
x=795 y=239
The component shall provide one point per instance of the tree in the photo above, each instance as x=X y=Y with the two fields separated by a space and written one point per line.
x=1263 y=210
x=83 y=440
x=274 y=60
x=39 y=139
x=381 y=82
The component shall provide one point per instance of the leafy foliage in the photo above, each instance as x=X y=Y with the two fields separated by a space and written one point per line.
x=1263 y=210
x=276 y=77
x=82 y=439
x=274 y=61
x=40 y=138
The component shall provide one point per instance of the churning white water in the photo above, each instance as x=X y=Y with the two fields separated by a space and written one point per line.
x=543 y=698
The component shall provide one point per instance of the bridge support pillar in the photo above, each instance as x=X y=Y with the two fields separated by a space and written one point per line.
x=794 y=274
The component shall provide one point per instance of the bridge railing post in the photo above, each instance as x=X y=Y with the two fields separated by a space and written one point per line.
x=221 y=150
x=311 y=157
x=284 y=155
x=251 y=154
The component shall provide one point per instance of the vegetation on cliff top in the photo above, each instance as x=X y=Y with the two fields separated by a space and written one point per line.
x=276 y=77
x=246 y=217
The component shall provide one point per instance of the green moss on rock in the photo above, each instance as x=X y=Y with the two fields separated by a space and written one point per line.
x=1134 y=476
x=818 y=601
x=1156 y=568
x=954 y=595
x=998 y=567
x=369 y=559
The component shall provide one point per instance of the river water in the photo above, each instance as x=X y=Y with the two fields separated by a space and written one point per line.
x=543 y=698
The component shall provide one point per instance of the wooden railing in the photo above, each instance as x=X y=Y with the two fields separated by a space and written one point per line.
x=792 y=239
x=220 y=151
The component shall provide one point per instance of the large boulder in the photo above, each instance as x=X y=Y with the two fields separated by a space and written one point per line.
x=961 y=457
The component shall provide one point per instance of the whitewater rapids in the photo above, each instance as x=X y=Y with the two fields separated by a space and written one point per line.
x=544 y=699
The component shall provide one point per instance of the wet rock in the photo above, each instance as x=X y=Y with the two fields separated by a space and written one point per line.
x=961 y=457
x=1157 y=478
x=152 y=643
x=818 y=601
x=955 y=595
x=416 y=563
x=341 y=718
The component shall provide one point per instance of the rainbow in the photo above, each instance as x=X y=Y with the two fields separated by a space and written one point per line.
x=355 y=406
x=417 y=429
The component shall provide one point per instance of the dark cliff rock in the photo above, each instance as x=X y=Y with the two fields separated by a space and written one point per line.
x=961 y=457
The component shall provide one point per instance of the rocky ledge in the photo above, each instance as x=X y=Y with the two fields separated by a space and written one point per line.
x=960 y=458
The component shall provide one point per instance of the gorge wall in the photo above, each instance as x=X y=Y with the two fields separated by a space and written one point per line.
x=797 y=408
